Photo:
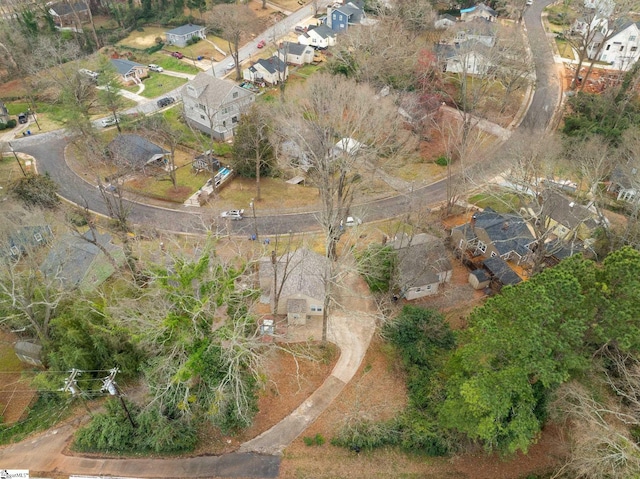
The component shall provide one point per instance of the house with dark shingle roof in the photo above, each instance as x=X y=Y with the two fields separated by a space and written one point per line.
x=135 y=152
x=422 y=265
x=25 y=239
x=214 y=106
x=300 y=282
x=479 y=11
x=63 y=13
x=128 y=70
x=79 y=263
x=501 y=272
x=270 y=70
x=445 y=21
x=625 y=182
x=180 y=36
x=491 y=234
x=295 y=53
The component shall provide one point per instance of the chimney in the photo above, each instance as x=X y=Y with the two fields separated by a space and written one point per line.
x=472 y=223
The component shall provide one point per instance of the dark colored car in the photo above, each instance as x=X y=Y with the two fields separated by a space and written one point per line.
x=177 y=55
x=166 y=101
x=22 y=118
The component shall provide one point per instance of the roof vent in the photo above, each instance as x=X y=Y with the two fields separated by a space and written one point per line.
x=572 y=204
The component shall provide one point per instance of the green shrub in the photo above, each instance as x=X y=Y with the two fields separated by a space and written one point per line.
x=317 y=440
x=442 y=160
x=36 y=190
x=12 y=123
x=366 y=435
x=376 y=265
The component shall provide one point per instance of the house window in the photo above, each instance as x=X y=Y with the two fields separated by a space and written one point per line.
x=482 y=247
x=334 y=16
x=633 y=49
x=223 y=111
x=428 y=287
x=15 y=251
x=37 y=237
x=608 y=46
x=234 y=119
x=202 y=107
x=461 y=244
x=316 y=309
x=224 y=123
x=632 y=38
x=622 y=48
x=494 y=254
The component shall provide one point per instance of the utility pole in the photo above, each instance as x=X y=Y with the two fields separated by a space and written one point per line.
x=71 y=385
x=252 y=205
x=17 y=159
x=109 y=385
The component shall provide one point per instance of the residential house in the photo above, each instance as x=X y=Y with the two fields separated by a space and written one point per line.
x=180 y=36
x=620 y=49
x=469 y=58
x=445 y=21
x=339 y=18
x=25 y=239
x=128 y=70
x=348 y=146
x=295 y=53
x=134 y=152
x=64 y=13
x=501 y=273
x=484 y=36
x=563 y=217
x=423 y=265
x=320 y=37
x=480 y=11
x=4 y=113
x=214 y=105
x=625 y=182
x=297 y=279
x=271 y=70
x=491 y=234
x=80 y=263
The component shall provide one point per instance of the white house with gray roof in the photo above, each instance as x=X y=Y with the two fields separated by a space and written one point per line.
x=299 y=282
x=128 y=70
x=295 y=53
x=214 y=105
x=180 y=36
x=620 y=50
x=268 y=70
x=318 y=37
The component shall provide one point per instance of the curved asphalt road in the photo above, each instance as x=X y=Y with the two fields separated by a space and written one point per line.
x=48 y=149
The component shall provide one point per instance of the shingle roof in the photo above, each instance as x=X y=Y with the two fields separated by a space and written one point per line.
x=566 y=211
x=501 y=270
x=124 y=66
x=63 y=8
x=304 y=275
x=272 y=64
x=420 y=259
x=185 y=29
x=294 y=48
x=212 y=91
x=322 y=31
x=135 y=150
x=507 y=232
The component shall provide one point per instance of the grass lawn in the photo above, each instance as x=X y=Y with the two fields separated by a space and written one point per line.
x=501 y=201
x=160 y=187
x=158 y=84
x=308 y=70
x=173 y=64
x=564 y=48
x=9 y=172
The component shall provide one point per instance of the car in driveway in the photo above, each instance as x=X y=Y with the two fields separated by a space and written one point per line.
x=232 y=214
x=261 y=44
x=166 y=101
x=177 y=55
x=22 y=118
x=155 y=68
x=109 y=121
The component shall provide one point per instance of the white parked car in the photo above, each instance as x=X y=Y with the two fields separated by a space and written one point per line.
x=89 y=73
x=352 y=221
x=232 y=214
x=108 y=121
x=231 y=65
x=155 y=68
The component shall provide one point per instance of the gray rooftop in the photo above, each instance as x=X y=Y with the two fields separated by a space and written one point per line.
x=63 y=8
x=213 y=92
x=124 y=66
x=322 y=31
x=294 y=48
x=303 y=272
x=272 y=64
x=185 y=30
x=421 y=258
x=566 y=211
x=135 y=150
x=500 y=269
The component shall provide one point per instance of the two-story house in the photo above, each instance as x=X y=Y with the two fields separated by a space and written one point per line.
x=320 y=37
x=339 y=18
x=469 y=58
x=180 y=36
x=480 y=11
x=617 y=46
x=491 y=234
x=213 y=105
